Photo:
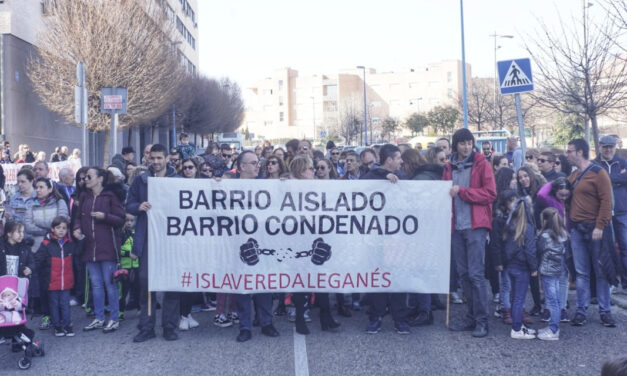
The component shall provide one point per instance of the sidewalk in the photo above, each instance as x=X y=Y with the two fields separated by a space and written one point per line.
x=619 y=297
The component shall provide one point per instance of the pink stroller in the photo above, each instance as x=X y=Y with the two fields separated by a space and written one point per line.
x=13 y=302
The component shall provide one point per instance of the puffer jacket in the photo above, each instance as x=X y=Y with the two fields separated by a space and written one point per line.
x=551 y=255
x=54 y=260
x=22 y=250
x=102 y=236
x=39 y=218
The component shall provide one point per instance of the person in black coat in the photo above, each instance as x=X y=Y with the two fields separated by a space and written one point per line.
x=14 y=249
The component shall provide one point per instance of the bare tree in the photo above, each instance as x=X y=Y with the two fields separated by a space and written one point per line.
x=351 y=118
x=480 y=102
x=215 y=106
x=578 y=71
x=123 y=43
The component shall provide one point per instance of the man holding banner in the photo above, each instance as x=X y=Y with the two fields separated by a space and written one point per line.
x=473 y=192
x=248 y=168
x=137 y=204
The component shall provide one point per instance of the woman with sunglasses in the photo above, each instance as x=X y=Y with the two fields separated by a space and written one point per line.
x=301 y=168
x=189 y=170
x=80 y=268
x=274 y=168
x=100 y=219
x=325 y=170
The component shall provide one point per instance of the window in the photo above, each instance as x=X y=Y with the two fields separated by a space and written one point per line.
x=449 y=76
x=280 y=101
x=450 y=93
x=281 y=116
x=331 y=90
x=280 y=84
x=267 y=123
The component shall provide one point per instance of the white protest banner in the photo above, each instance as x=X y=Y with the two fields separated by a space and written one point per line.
x=11 y=169
x=249 y=236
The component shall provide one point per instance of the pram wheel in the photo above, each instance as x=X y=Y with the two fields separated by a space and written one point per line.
x=23 y=363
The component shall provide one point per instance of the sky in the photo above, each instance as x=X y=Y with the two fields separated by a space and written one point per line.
x=246 y=40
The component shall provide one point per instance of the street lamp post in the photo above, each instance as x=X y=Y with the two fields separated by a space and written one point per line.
x=365 y=109
x=313 y=111
x=495 y=35
x=464 y=89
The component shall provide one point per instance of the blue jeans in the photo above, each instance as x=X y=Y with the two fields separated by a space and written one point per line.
x=564 y=289
x=620 y=232
x=519 y=277
x=101 y=278
x=60 y=308
x=505 y=290
x=583 y=251
x=552 y=300
x=469 y=252
x=263 y=308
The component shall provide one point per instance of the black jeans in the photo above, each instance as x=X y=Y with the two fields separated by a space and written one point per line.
x=170 y=307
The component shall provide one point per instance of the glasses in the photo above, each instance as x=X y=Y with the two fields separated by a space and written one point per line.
x=321 y=167
x=188 y=167
x=336 y=153
x=226 y=155
x=207 y=170
x=272 y=163
x=529 y=157
x=542 y=160
x=82 y=178
x=88 y=177
x=304 y=148
x=557 y=163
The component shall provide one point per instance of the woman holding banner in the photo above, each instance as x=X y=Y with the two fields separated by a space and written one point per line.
x=301 y=167
x=99 y=218
x=189 y=170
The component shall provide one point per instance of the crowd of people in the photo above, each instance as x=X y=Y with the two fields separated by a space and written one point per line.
x=541 y=222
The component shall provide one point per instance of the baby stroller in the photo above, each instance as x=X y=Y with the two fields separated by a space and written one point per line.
x=13 y=302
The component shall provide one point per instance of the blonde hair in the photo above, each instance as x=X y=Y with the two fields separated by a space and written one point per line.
x=553 y=224
x=519 y=220
x=299 y=165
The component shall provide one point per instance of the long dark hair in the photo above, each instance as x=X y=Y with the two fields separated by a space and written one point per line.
x=503 y=179
x=109 y=183
x=534 y=187
x=193 y=161
x=11 y=226
x=80 y=189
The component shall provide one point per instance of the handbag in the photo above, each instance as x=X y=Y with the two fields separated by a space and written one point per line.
x=119 y=274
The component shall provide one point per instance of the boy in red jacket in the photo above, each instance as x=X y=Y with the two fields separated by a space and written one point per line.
x=54 y=258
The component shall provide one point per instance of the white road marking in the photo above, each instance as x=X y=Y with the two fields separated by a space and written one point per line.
x=301 y=364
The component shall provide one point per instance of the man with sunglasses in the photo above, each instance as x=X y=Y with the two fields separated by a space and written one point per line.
x=175 y=159
x=227 y=155
x=546 y=164
x=334 y=155
x=616 y=167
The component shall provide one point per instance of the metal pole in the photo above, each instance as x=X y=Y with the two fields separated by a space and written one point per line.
x=521 y=126
x=114 y=134
x=495 y=74
x=313 y=108
x=365 y=112
x=173 y=126
x=2 y=100
x=465 y=99
x=83 y=115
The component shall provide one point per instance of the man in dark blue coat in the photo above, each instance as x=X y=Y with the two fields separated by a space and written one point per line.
x=137 y=204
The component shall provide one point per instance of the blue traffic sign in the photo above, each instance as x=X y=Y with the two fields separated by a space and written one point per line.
x=515 y=76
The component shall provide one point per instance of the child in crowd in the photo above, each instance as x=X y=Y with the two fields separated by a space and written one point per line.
x=186 y=148
x=130 y=262
x=520 y=261
x=16 y=257
x=505 y=201
x=551 y=250
x=54 y=258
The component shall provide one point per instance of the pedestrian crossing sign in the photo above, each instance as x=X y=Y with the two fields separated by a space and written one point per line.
x=515 y=76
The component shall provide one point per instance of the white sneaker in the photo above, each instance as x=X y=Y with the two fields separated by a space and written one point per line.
x=455 y=298
x=307 y=316
x=521 y=334
x=73 y=302
x=184 y=323
x=222 y=321
x=546 y=334
x=192 y=323
x=529 y=330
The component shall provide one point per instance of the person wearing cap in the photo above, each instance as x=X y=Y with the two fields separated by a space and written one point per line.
x=616 y=167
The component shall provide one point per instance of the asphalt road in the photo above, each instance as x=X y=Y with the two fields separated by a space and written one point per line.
x=432 y=350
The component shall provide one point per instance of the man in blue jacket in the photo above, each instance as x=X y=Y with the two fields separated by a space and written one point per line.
x=616 y=167
x=137 y=204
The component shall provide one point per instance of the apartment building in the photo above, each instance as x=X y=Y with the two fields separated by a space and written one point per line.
x=286 y=105
x=23 y=119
